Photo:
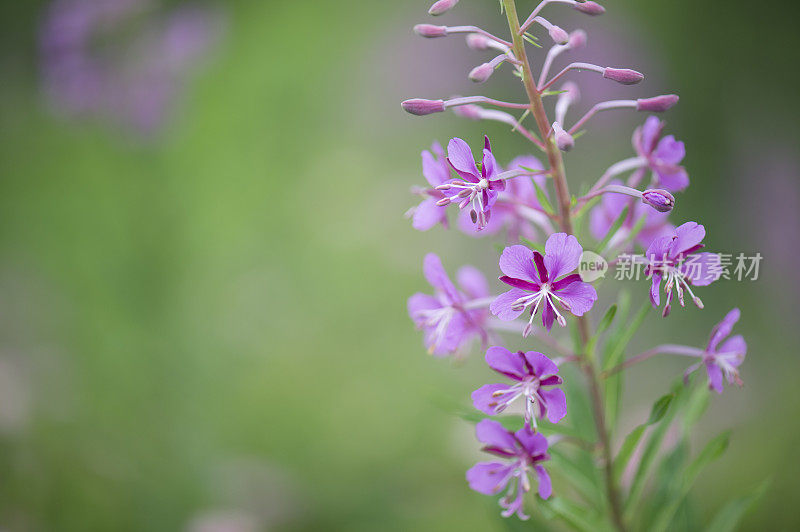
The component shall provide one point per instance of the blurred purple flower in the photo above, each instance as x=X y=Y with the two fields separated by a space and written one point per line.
x=542 y=281
x=603 y=216
x=535 y=375
x=725 y=359
x=450 y=317
x=121 y=59
x=673 y=258
x=524 y=451
x=662 y=154
x=436 y=171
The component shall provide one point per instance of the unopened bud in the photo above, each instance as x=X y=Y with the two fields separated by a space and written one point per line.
x=577 y=39
x=590 y=8
x=659 y=199
x=626 y=76
x=476 y=41
x=564 y=140
x=657 y=104
x=481 y=73
x=430 y=31
x=558 y=35
x=421 y=106
x=443 y=6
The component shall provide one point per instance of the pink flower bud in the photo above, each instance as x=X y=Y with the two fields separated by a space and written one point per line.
x=481 y=73
x=577 y=39
x=564 y=141
x=657 y=104
x=430 y=31
x=443 y=6
x=590 y=8
x=558 y=35
x=475 y=41
x=421 y=106
x=659 y=199
x=626 y=76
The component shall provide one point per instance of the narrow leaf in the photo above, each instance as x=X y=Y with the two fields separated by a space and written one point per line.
x=733 y=512
x=601 y=247
x=542 y=197
x=660 y=408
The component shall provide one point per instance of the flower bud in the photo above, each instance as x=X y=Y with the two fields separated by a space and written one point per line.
x=577 y=39
x=590 y=8
x=443 y=6
x=558 y=35
x=421 y=106
x=626 y=76
x=476 y=41
x=657 y=104
x=564 y=141
x=659 y=199
x=481 y=73
x=430 y=31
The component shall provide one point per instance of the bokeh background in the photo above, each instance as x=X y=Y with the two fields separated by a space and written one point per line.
x=204 y=261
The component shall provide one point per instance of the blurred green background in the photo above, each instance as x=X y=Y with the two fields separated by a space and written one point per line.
x=207 y=327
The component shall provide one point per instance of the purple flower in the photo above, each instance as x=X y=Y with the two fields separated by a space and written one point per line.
x=436 y=171
x=726 y=358
x=663 y=155
x=603 y=216
x=121 y=59
x=535 y=376
x=673 y=258
x=515 y=208
x=479 y=187
x=524 y=451
x=450 y=317
x=543 y=281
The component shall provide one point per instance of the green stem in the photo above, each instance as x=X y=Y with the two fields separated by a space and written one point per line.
x=565 y=221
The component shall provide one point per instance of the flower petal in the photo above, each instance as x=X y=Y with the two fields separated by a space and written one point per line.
x=702 y=269
x=489 y=167
x=733 y=350
x=687 y=236
x=670 y=151
x=579 y=296
x=493 y=434
x=562 y=254
x=545 y=487
x=541 y=365
x=488 y=478
x=427 y=214
x=534 y=443
x=433 y=170
x=501 y=306
x=555 y=402
x=655 y=290
x=722 y=329
x=437 y=277
x=646 y=137
x=548 y=316
x=419 y=302
x=460 y=157
x=484 y=399
x=472 y=281
x=518 y=262
x=512 y=365
x=519 y=283
x=714 y=376
x=672 y=178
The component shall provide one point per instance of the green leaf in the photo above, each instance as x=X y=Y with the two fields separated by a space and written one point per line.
x=582 y=473
x=553 y=92
x=618 y=348
x=608 y=317
x=660 y=408
x=531 y=39
x=730 y=514
x=601 y=247
x=542 y=197
x=710 y=452
x=578 y=221
x=572 y=514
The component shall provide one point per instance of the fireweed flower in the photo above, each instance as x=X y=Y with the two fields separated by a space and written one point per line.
x=450 y=317
x=478 y=187
x=535 y=377
x=524 y=451
x=539 y=281
x=673 y=258
x=436 y=171
x=723 y=360
x=603 y=216
x=516 y=208
x=662 y=154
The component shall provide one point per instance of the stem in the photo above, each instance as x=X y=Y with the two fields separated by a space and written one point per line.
x=562 y=193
